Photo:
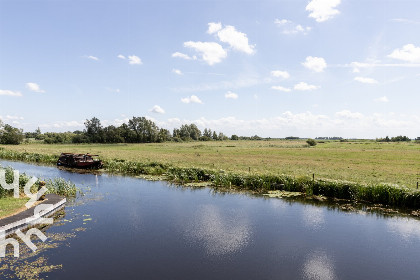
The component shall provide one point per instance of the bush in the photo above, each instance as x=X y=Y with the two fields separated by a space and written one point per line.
x=311 y=142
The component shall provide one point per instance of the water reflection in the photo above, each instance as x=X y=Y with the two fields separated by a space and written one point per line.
x=318 y=266
x=406 y=228
x=313 y=217
x=220 y=233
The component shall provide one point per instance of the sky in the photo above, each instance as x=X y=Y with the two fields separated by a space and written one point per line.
x=311 y=68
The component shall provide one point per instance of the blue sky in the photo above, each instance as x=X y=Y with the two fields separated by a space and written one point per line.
x=347 y=68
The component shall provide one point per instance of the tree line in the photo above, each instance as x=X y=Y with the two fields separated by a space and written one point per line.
x=137 y=130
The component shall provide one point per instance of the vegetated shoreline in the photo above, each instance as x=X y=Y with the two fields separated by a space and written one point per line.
x=382 y=193
x=14 y=206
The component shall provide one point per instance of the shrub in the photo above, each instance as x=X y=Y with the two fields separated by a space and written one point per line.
x=311 y=142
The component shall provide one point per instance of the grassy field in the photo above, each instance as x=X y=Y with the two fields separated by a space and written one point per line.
x=356 y=161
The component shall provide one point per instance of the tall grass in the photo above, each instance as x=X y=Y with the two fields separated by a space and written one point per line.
x=387 y=194
x=57 y=185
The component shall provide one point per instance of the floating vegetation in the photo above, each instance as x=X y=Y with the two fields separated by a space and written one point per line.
x=283 y=194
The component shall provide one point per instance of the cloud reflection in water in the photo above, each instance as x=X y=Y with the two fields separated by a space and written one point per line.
x=220 y=233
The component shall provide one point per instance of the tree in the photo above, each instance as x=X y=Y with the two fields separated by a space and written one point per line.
x=94 y=130
x=207 y=133
x=145 y=130
x=214 y=136
x=234 y=137
x=10 y=135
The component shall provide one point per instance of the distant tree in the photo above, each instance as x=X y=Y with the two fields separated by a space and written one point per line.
x=207 y=133
x=94 y=130
x=214 y=136
x=112 y=135
x=163 y=135
x=234 y=137
x=145 y=130
x=10 y=135
x=222 y=137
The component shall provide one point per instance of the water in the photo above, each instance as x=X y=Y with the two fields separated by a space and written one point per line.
x=151 y=230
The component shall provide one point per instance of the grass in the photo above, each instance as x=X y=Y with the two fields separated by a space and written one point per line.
x=356 y=161
x=368 y=171
x=10 y=205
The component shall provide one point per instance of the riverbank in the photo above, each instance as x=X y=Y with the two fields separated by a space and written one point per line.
x=387 y=194
x=10 y=205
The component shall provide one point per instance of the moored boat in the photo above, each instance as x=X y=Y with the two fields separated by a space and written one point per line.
x=85 y=161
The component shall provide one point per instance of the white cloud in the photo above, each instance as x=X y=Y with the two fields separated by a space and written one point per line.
x=349 y=115
x=289 y=27
x=214 y=27
x=133 y=59
x=191 y=99
x=382 y=99
x=183 y=56
x=280 y=88
x=305 y=86
x=366 y=80
x=92 y=57
x=210 y=52
x=316 y=64
x=280 y=74
x=64 y=125
x=231 y=95
x=121 y=56
x=323 y=10
x=7 y=92
x=157 y=109
x=177 y=71
x=34 y=87
x=236 y=39
x=409 y=53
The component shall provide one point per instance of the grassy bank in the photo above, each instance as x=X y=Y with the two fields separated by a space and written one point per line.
x=360 y=170
x=10 y=205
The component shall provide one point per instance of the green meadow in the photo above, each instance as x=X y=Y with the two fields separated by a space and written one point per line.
x=361 y=161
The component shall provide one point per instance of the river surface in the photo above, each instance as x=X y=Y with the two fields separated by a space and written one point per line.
x=129 y=228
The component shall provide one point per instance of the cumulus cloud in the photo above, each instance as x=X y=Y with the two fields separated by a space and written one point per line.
x=236 y=39
x=34 y=87
x=280 y=74
x=177 y=71
x=7 y=92
x=280 y=88
x=133 y=59
x=409 y=53
x=214 y=27
x=183 y=56
x=210 y=52
x=382 y=99
x=316 y=64
x=231 y=95
x=157 y=109
x=323 y=10
x=289 y=27
x=191 y=99
x=304 y=86
x=366 y=80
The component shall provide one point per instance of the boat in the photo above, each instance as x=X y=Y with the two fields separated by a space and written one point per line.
x=84 y=161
